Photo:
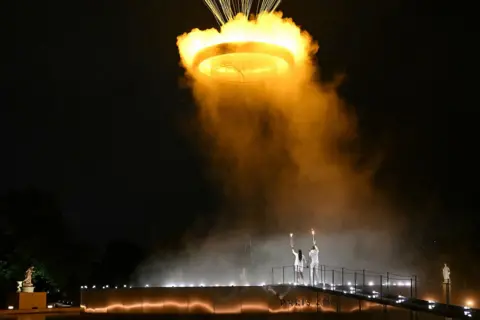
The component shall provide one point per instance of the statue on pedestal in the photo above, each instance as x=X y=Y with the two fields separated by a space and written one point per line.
x=27 y=285
x=446 y=274
x=447 y=285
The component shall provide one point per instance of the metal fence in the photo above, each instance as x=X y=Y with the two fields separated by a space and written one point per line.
x=348 y=280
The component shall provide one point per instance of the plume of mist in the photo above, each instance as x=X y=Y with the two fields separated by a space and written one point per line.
x=284 y=153
x=220 y=258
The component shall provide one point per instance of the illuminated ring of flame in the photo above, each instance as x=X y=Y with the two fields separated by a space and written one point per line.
x=274 y=53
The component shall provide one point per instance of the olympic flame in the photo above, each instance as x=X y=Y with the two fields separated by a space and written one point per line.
x=270 y=28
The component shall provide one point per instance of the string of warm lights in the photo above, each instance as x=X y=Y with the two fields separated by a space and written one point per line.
x=233 y=284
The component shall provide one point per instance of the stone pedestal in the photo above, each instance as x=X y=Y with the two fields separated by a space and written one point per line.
x=28 y=289
x=28 y=300
x=447 y=291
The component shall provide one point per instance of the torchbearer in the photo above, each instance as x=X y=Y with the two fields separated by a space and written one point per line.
x=298 y=265
x=314 y=276
x=299 y=262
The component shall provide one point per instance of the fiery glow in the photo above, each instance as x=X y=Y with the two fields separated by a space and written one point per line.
x=268 y=28
x=205 y=307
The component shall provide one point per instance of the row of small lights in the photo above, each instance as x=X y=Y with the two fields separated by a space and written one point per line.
x=395 y=284
x=171 y=286
x=232 y=284
x=371 y=284
x=352 y=290
x=467 y=310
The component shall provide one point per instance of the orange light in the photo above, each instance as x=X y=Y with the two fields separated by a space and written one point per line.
x=269 y=42
x=206 y=307
x=469 y=303
x=243 y=61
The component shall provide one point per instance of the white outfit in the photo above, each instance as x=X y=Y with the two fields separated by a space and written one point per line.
x=314 y=256
x=298 y=263
x=314 y=264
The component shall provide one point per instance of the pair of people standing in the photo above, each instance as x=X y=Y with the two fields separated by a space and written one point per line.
x=301 y=261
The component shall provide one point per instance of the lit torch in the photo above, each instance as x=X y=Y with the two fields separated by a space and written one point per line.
x=291 y=240
x=313 y=236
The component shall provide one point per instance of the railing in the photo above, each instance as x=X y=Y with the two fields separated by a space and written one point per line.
x=349 y=280
x=324 y=276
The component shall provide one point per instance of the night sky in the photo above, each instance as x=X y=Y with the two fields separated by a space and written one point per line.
x=93 y=110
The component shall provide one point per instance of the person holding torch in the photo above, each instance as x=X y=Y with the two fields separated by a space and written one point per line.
x=299 y=262
x=314 y=276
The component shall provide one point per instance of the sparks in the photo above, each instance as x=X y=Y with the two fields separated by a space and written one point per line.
x=226 y=10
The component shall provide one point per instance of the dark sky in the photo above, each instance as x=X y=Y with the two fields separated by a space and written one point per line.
x=92 y=110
